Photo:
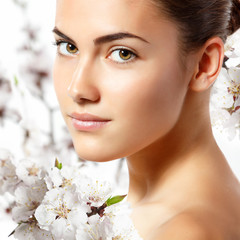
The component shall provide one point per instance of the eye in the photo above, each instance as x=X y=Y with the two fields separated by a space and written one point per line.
x=122 y=55
x=66 y=48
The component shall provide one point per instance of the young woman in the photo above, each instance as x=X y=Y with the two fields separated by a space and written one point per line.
x=133 y=79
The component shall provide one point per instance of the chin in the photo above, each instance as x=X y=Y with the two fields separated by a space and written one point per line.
x=94 y=155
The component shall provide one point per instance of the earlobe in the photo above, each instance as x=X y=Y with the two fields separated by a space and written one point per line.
x=208 y=66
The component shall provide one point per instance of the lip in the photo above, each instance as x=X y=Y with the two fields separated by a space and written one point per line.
x=87 y=122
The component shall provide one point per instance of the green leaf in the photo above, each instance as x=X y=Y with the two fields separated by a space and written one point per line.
x=16 y=80
x=58 y=164
x=114 y=200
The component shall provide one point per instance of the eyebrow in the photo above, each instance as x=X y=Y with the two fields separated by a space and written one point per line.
x=59 y=33
x=116 y=36
x=103 y=39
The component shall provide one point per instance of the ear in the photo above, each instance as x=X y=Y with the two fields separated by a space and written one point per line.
x=209 y=63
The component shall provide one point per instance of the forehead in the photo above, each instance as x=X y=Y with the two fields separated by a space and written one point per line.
x=107 y=15
x=93 y=9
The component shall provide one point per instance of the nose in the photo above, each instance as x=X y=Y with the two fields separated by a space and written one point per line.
x=82 y=87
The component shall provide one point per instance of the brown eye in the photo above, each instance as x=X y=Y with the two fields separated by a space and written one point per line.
x=71 y=48
x=125 y=54
x=67 y=49
x=122 y=56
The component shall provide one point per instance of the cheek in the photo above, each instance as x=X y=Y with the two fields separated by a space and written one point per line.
x=154 y=93
x=151 y=105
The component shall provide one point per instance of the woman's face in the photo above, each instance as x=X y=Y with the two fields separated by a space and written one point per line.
x=117 y=60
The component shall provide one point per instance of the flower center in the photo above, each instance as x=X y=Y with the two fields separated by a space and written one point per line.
x=3 y=163
x=66 y=183
x=33 y=171
x=62 y=211
x=34 y=205
x=95 y=198
x=234 y=89
x=117 y=238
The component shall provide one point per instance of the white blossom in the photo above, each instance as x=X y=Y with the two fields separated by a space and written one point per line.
x=66 y=177
x=115 y=224
x=226 y=87
x=234 y=84
x=8 y=178
x=94 y=230
x=64 y=203
x=28 y=198
x=225 y=102
x=61 y=213
x=29 y=171
x=94 y=191
x=232 y=45
x=5 y=91
x=31 y=231
x=118 y=219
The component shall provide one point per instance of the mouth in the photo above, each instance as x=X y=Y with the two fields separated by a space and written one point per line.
x=87 y=122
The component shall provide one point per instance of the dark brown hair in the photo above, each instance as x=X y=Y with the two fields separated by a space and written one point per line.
x=199 y=20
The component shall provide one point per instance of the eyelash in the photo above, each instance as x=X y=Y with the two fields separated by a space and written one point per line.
x=133 y=55
x=58 y=43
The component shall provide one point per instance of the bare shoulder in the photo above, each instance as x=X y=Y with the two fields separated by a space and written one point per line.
x=186 y=226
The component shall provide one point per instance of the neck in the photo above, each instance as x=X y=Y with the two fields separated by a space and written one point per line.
x=188 y=145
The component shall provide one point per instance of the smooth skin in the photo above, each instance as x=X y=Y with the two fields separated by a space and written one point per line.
x=157 y=101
